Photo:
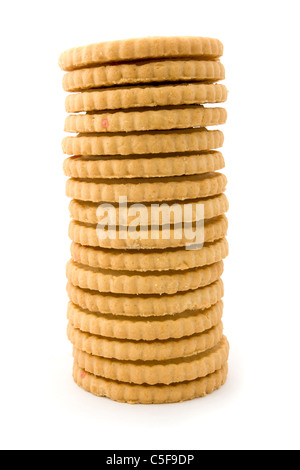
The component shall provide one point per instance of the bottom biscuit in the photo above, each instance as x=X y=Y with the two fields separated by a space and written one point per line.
x=149 y=394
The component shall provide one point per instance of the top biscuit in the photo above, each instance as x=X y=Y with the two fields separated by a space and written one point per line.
x=137 y=49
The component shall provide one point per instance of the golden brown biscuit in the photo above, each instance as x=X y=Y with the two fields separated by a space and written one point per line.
x=145 y=329
x=153 y=373
x=146 y=305
x=181 y=188
x=125 y=350
x=185 y=117
x=128 y=282
x=149 y=394
x=146 y=96
x=86 y=212
x=159 y=72
x=145 y=166
x=88 y=235
x=141 y=48
x=139 y=143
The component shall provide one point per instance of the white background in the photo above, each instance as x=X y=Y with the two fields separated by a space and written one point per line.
x=40 y=407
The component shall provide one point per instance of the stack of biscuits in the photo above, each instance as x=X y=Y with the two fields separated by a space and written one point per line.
x=145 y=311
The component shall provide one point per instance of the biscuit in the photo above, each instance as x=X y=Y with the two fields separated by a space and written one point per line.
x=163 y=71
x=146 y=305
x=126 y=282
x=156 y=142
x=145 y=329
x=86 y=212
x=146 y=96
x=179 y=188
x=117 y=167
x=142 y=48
x=143 y=261
x=87 y=235
x=185 y=117
x=153 y=373
x=150 y=394
x=125 y=350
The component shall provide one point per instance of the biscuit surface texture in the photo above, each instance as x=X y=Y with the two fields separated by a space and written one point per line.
x=126 y=282
x=149 y=394
x=136 y=49
x=146 y=96
x=145 y=329
x=146 y=120
x=148 y=190
x=87 y=212
x=167 y=260
x=148 y=166
x=153 y=373
x=164 y=71
x=88 y=235
x=126 y=350
x=146 y=306
x=155 y=142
